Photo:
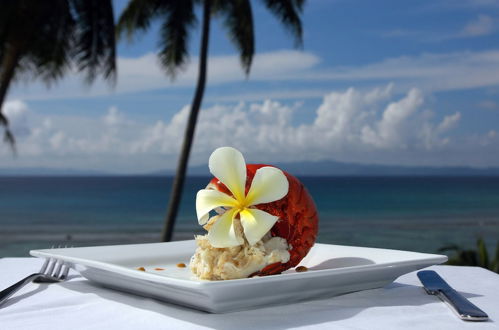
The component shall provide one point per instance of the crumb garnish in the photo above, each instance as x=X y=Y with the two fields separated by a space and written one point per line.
x=301 y=269
x=181 y=265
x=142 y=269
x=158 y=268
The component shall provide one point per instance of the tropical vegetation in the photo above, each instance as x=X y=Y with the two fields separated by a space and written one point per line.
x=471 y=257
x=44 y=41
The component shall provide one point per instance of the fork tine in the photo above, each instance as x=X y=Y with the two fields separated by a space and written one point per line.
x=51 y=267
x=57 y=270
x=45 y=264
x=65 y=272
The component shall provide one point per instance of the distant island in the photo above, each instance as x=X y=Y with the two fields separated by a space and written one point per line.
x=319 y=168
x=333 y=168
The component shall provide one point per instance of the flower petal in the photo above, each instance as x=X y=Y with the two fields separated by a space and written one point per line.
x=228 y=165
x=222 y=233
x=256 y=223
x=269 y=184
x=209 y=199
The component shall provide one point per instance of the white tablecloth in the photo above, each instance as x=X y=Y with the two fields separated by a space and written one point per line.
x=78 y=304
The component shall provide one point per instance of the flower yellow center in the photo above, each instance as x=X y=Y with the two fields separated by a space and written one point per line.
x=242 y=204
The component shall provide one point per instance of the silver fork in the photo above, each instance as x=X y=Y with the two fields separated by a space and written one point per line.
x=52 y=271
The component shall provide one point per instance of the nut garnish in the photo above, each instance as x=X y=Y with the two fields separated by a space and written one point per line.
x=301 y=269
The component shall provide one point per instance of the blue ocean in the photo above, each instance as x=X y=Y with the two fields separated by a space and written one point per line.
x=409 y=213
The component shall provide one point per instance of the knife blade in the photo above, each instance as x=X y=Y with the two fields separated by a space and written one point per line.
x=435 y=285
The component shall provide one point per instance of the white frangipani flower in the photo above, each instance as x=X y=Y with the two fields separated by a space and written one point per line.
x=269 y=184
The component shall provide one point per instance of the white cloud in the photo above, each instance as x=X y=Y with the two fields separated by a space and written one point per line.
x=488 y=104
x=374 y=126
x=17 y=114
x=459 y=5
x=481 y=26
x=395 y=122
x=449 y=122
x=482 y=2
x=144 y=73
x=113 y=117
x=466 y=3
x=274 y=93
x=430 y=72
x=56 y=140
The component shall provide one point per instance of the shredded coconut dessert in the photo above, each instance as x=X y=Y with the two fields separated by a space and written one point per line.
x=209 y=263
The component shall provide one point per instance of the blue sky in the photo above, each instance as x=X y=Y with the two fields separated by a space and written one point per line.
x=385 y=82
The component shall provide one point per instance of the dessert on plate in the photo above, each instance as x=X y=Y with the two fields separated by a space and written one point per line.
x=260 y=220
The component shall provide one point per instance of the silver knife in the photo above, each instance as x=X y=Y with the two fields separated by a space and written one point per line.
x=435 y=285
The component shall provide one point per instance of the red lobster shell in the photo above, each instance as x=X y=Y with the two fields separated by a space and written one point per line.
x=298 y=219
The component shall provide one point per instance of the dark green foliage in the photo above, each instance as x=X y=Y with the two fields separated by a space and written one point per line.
x=52 y=34
x=94 y=49
x=478 y=257
x=137 y=16
x=173 y=52
x=288 y=12
x=238 y=19
x=39 y=35
x=43 y=39
x=178 y=18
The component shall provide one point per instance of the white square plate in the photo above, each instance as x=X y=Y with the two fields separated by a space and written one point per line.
x=332 y=270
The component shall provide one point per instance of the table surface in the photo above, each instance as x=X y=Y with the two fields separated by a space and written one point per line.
x=79 y=304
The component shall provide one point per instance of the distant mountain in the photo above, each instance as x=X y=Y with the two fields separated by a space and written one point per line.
x=332 y=168
x=324 y=168
x=320 y=168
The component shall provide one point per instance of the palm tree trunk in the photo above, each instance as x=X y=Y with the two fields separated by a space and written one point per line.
x=9 y=64
x=178 y=182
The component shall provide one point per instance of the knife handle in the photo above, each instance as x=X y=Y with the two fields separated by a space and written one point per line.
x=462 y=306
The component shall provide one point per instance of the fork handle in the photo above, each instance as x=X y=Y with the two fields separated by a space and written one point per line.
x=4 y=294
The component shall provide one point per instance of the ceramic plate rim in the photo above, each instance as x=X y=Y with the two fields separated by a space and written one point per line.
x=107 y=266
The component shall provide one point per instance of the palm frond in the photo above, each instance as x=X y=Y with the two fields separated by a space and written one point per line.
x=495 y=262
x=478 y=257
x=450 y=247
x=173 y=53
x=8 y=137
x=7 y=12
x=137 y=16
x=48 y=55
x=238 y=19
x=94 y=50
x=483 y=255
x=299 y=4
x=42 y=41
x=288 y=12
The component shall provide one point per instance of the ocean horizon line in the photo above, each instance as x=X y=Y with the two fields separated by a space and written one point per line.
x=339 y=176
x=324 y=168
